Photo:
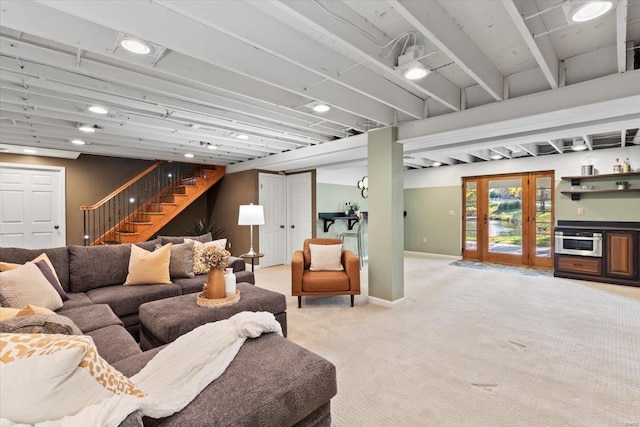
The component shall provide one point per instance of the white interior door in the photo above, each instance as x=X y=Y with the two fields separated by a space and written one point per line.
x=299 y=214
x=32 y=206
x=273 y=232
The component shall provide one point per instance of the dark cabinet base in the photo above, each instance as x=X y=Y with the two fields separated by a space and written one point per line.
x=612 y=280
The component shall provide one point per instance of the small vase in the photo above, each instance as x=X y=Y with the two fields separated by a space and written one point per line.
x=215 y=284
x=229 y=282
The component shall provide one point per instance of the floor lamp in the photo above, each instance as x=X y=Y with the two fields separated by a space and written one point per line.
x=251 y=215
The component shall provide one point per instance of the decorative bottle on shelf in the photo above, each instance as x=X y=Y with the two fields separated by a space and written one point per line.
x=626 y=167
x=617 y=168
x=229 y=282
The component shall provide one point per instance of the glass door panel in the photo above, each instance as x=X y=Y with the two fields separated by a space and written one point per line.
x=471 y=217
x=504 y=198
x=542 y=220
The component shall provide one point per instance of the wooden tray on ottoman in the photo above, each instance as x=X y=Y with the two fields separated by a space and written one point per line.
x=163 y=321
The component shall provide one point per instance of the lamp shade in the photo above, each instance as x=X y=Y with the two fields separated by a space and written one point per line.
x=251 y=215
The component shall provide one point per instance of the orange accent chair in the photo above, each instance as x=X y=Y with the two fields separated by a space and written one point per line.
x=305 y=282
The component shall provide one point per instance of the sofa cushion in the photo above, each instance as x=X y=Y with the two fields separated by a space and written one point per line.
x=147 y=268
x=318 y=281
x=180 y=239
x=58 y=375
x=76 y=299
x=271 y=382
x=59 y=258
x=27 y=285
x=92 y=267
x=40 y=324
x=133 y=364
x=114 y=343
x=125 y=300
x=191 y=284
x=245 y=276
x=91 y=317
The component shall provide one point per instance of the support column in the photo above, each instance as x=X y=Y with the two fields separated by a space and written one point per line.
x=386 y=218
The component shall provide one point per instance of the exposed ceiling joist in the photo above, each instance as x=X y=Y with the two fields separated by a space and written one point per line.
x=433 y=22
x=530 y=148
x=556 y=144
x=621 y=35
x=502 y=151
x=288 y=44
x=216 y=48
x=588 y=141
x=314 y=17
x=541 y=48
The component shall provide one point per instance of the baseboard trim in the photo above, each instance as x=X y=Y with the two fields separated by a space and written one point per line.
x=432 y=255
x=384 y=303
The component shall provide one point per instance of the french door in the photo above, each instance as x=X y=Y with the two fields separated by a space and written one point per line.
x=508 y=218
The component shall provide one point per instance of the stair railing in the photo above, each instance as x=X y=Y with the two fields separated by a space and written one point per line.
x=135 y=202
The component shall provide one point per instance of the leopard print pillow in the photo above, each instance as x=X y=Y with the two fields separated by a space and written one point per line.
x=49 y=376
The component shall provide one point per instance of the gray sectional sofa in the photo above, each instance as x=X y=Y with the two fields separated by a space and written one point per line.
x=271 y=382
x=95 y=274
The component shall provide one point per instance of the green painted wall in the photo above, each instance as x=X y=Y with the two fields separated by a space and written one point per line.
x=428 y=218
x=599 y=207
x=331 y=198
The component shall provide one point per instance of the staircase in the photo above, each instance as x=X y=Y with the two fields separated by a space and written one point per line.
x=137 y=210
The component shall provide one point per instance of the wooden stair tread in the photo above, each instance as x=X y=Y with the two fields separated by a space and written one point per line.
x=152 y=213
x=127 y=233
x=140 y=222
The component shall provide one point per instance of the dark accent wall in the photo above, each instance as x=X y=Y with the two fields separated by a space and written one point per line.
x=224 y=199
x=90 y=178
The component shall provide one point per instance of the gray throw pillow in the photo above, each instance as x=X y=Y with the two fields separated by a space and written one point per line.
x=40 y=324
x=181 y=262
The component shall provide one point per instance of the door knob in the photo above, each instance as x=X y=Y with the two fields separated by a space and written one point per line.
x=56 y=226
x=293 y=226
x=282 y=226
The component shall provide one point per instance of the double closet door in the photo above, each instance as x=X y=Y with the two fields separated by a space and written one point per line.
x=508 y=219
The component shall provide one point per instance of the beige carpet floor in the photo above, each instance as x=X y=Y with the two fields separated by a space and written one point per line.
x=476 y=348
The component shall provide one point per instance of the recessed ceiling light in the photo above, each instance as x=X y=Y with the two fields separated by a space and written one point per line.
x=585 y=10
x=436 y=164
x=189 y=155
x=496 y=156
x=98 y=109
x=30 y=151
x=86 y=128
x=78 y=142
x=416 y=72
x=242 y=136
x=321 y=108
x=212 y=147
x=579 y=147
x=136 y=46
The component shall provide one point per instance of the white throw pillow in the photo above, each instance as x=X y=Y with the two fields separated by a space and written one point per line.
x=326 y=257
x=49 y=376
x=27 y=285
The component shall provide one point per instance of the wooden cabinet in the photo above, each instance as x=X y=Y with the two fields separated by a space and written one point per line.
x=579 y=264
x=621 y=260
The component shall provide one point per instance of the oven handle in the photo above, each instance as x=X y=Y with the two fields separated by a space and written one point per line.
x=579 y=238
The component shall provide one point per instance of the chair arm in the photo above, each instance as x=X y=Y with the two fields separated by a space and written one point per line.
x=297 y=268
x=237 y=264
x=351 y=264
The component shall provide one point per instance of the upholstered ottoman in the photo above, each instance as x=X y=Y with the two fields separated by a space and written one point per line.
x=163 y=321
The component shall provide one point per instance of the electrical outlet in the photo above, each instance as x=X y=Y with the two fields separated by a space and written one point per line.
x=451 y=213
x=580 y=211
x=424 y=240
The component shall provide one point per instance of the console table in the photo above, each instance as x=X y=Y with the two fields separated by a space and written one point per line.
x=330 y=218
